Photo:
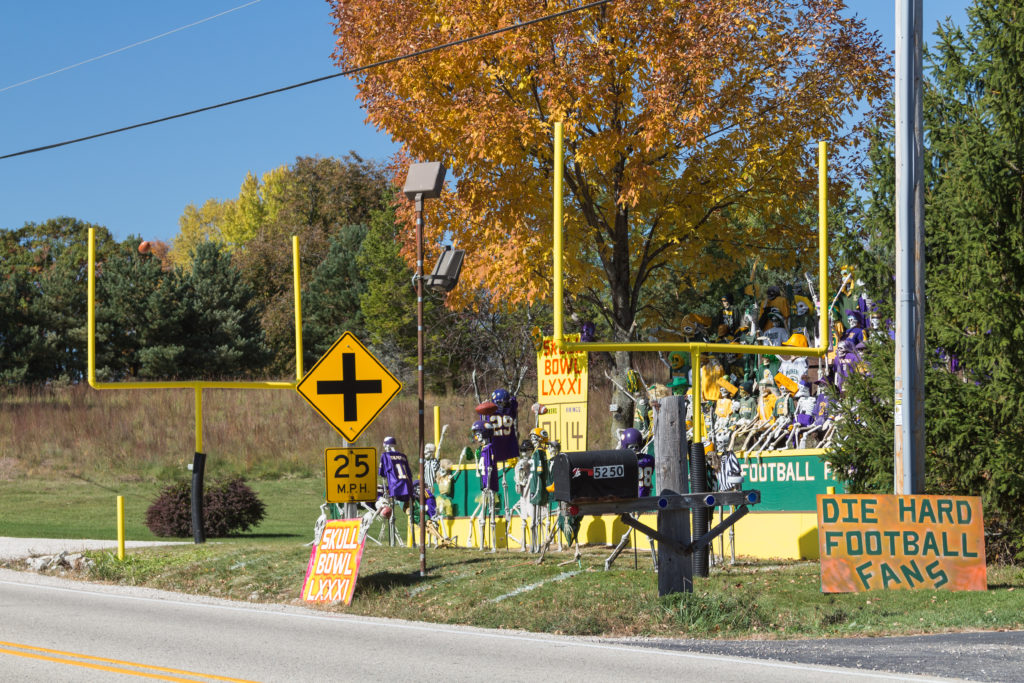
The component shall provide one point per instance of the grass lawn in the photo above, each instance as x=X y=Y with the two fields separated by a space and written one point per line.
x=504 y=590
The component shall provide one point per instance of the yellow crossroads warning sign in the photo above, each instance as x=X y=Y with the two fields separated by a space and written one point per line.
x=348 y=386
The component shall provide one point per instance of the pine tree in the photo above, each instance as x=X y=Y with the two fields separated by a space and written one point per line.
x=331 y=302
x=204 y=325
x=974 y=317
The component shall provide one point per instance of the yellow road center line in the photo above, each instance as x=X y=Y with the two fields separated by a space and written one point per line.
x=61 y=655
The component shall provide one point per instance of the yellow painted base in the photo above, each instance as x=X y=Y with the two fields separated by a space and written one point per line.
x=782 y=535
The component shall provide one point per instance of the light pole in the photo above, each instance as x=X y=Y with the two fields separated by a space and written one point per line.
x=424 y=181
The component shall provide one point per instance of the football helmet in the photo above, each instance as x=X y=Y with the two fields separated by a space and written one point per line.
x=481 y=430
x=631 y=439
x=500 y=397
x=390 y=444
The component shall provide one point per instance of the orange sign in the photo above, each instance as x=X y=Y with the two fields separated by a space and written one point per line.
x=334 y=563
x=888 y=542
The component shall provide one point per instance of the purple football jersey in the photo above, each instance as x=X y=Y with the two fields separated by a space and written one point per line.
x=394 y=468
x=505 y=441
x=645 y=468
x=487 y=467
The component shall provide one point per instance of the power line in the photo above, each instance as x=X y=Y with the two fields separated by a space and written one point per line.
x=127 y=47
x=346 y=72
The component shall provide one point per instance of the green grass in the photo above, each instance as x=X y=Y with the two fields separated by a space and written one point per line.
x=66 y=455
x=82 y=508
x=749 y=600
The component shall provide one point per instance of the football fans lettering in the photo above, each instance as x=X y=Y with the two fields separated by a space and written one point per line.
x=890 y=542
x=562 y=387
x=346 y=538
x=330 y=590
x=779 y=471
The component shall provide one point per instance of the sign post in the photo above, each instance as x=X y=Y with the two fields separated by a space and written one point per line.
x=349 y=387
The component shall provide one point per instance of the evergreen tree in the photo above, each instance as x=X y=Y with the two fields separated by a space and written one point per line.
x=331 y=301
x=974 y=320
x=125 y=288
x=204 y=324
x=389 y=301
x=43 y=277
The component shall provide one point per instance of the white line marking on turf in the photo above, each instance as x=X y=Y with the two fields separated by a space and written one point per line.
x=523 y=589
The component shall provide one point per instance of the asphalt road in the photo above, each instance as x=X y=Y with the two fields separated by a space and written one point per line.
x=55 y=629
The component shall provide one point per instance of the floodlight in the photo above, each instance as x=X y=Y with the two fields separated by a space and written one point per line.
x=425 y=180
x=446 y=272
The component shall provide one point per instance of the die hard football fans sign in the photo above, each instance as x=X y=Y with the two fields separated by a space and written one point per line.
x=562 y=389
x=334 y=563
x=886 y=542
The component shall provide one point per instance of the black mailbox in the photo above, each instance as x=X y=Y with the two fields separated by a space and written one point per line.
x=595 y=476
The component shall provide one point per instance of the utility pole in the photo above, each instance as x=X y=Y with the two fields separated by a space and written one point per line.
x=908 y=403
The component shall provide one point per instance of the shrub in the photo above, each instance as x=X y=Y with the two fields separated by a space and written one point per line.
x=229 y=506
x=171 y=513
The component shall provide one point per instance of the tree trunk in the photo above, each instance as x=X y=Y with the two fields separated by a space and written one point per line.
x=622 y=417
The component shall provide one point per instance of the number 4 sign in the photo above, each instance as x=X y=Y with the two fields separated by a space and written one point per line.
x=351 y=475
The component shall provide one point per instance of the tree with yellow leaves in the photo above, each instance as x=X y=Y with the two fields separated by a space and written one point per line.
x=687 y=124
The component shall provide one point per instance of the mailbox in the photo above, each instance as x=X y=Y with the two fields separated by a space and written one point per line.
x=587 y=476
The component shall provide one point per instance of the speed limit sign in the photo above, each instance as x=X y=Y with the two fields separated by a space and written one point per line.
x=351 y=475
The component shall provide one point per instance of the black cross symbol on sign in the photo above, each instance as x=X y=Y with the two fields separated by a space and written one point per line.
x=348 y=386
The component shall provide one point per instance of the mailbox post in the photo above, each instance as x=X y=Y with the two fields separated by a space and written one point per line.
x=675 y=569
x=605 y=482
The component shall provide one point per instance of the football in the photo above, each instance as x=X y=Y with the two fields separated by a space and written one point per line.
x=486 y=408
x=144 y=248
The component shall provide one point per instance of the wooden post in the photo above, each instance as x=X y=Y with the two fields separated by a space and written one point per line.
x=675 y=570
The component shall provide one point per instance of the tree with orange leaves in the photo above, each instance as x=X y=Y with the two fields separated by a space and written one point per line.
x=687 y=126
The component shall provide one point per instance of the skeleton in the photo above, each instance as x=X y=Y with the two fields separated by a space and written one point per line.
x=484 y=513
x=804 y=418
x=565 y=523
x=534 y=500
x=394 y=467
x=432 y=529
x=521 y=477
x=782 y=414
x=765 y=406
x=381 y=509
x=633 y=440
x=318 y=526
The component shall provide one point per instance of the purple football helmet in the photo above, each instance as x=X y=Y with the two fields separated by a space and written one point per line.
x=631 y=439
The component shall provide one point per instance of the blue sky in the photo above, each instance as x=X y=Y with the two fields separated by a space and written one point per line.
x=138 y=182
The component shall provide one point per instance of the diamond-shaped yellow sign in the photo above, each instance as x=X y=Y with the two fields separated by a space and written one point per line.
x=348 y=386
